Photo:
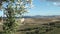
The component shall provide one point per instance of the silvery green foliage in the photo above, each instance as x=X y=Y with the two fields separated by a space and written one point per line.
x=11 y=8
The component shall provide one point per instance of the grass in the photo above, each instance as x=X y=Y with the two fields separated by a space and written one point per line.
x=51 y=28
x=55 y=31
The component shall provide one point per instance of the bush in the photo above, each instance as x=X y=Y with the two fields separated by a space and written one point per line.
x=0 y=18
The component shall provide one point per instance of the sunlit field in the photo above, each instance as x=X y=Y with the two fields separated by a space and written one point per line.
x=38 y=26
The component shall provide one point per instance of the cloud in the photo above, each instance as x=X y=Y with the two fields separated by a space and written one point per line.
x=56 y=3
x=53 y=0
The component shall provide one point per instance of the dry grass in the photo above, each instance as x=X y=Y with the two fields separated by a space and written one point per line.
x=39 y=20
x=31 y=24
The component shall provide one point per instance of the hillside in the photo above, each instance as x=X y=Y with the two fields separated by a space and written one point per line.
x=46 y=25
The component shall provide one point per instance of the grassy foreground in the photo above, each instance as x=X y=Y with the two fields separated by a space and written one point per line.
x=48 y=28
x=51 y=28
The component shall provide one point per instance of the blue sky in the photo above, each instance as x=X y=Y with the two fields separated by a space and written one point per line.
x=1 y=13
x=43 y=8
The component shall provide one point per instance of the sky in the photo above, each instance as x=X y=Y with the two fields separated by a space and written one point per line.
x=44 y=7
x=1 y=13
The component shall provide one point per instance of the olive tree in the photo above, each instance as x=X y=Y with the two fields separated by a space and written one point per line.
x=11 y=9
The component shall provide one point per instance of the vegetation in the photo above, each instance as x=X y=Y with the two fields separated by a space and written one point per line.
x=41 y=29
x=18 y=7
x=0 y=18
x=13 y=8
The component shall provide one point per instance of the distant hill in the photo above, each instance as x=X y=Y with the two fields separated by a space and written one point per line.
x=39 y=16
